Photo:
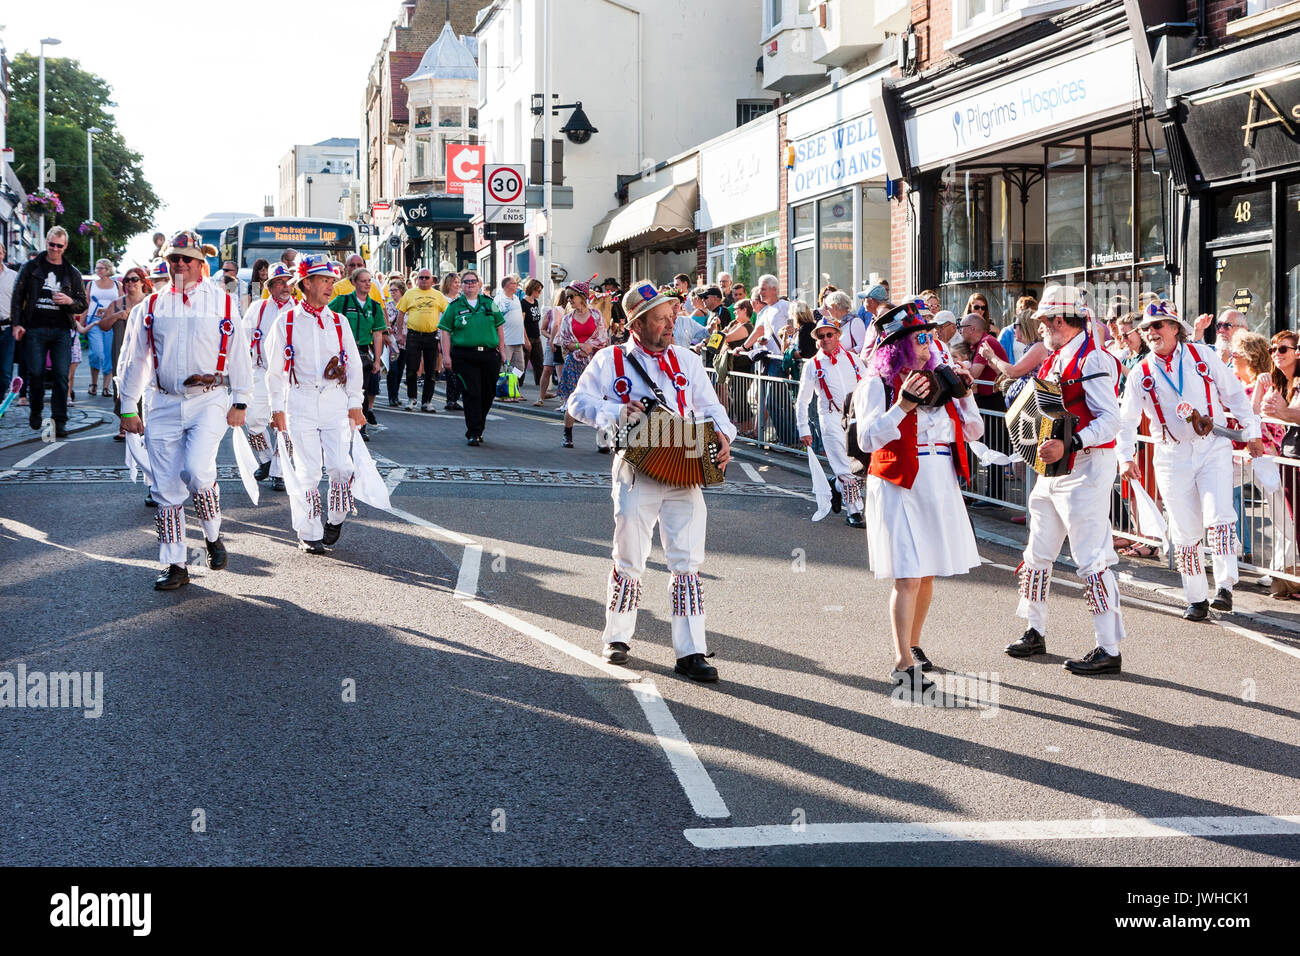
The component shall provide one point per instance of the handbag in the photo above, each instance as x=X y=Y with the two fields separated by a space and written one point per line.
x=1291 y=442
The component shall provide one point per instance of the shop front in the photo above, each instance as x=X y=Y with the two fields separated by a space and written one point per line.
x=1035 y=167
x=739 y=198
x=654 y=229
x=838 y=213
x=1239 y=109
x=434 y=233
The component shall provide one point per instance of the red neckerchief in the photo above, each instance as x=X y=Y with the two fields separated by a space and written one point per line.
x=313 y=311
x=821 y=376
x=668 y=365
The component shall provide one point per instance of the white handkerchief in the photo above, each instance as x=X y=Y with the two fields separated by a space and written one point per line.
x=988 y=456
x=137 y=456
x=1267 y=474
x=246 y=461
x=292 y=486
x=821 y=487
x=367 y=484
x=1149 y=516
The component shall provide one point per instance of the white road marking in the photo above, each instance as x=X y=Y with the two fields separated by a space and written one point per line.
x=794 y=494
x=993 y=831
x=705 y=799
x=752 y=472
x=467 y=581
x=38 y=455
x=553 y=640
x=442 y=532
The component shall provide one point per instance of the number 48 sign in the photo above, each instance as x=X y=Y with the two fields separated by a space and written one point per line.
x=503 y=193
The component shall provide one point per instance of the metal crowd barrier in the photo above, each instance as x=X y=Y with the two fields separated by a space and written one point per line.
x=762 y=408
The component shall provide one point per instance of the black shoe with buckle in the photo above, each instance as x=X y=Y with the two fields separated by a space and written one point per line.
x=176 y=575
x=332 y=532
x=918 y=655
x=1222 y=600
x=263 y=470
x=696 y=668
x=217 y=557
x=1030 y=643
x=148 y=500
x=1197 y=611
x=855 y=520
x=616 y=652
x=1096 y=661
x=837 y=501
x=312 y=547
x=277 y=483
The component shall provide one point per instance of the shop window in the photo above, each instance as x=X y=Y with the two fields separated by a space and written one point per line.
x=1065 y=220
x=964 y=229
x=421 y=165
x=803 y=220
x=449 y=116
x=875 y=232
x=804 y=275
x=422 y=116
x=472 y=118
x=1154 y=280
x=1291 y=253
x=736 y=232
x=835 y=241
x=1111 y=203
x=1243 y=280
x=716 y=239
x=1242 y=212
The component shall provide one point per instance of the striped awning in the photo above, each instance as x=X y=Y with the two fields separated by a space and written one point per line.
x=667 y=213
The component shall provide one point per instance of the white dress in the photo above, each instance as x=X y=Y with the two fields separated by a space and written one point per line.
x=924 y=530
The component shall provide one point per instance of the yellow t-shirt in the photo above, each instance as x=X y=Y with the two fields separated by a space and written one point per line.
x=422 y=309
x=344 y=287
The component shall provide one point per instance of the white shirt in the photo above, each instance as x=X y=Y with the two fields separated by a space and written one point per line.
x=187 y=341
x=686 y=331
x=8 y=278
x=514 y=316
x=1226 y=390
x=261 y=314
x=594 y=401
x=838 y=376
x=1098 y=391
x=878 y=422
x=853 y=333
x=773 y=318
x=315 y=342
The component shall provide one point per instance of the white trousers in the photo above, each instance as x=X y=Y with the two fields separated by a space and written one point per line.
x=640 y=502
x=257 y=423
x=835 y=442
x=182 y=434
x=320 y=432
x=1076 y=506
x=1195 y=480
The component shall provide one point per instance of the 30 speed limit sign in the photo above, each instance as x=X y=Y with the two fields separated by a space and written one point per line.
x=503 y=193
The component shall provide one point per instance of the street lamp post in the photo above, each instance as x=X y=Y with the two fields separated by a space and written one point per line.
x=90 y=191
x=40 y=160
x=309 y=196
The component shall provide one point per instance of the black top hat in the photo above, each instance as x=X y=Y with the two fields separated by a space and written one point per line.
x=903 y=320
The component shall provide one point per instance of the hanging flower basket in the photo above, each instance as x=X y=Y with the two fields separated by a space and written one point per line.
x=44 y=201
x=91 y=228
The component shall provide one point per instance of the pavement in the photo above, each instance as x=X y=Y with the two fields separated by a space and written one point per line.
x=431 y=690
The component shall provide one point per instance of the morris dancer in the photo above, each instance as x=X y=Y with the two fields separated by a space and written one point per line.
x=1076 y=504
x=191 y=340
x=257 y=324
x=610 y=388
x=831 y=375
x=918 y=528
x=1193 y=466
x=314 y=383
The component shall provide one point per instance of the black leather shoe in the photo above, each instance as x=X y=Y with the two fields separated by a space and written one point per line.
x=911 y=678
x=1096 y=661
x=148 y=500
x=34 y=420
x=695 y=667
x=217 y=556
x=855 y=521
x=59 y=430
x=453 y=407
x=1222 y=600
x=370 y=416
x=1029 y=644
x=1197 y=611
x=277 y=484
x=263 y=470
x=365 y=435
x=918 y=655
x=837 y=501
x=312 y=547
x=332 y=532
x=176 y=575
x=616 y=653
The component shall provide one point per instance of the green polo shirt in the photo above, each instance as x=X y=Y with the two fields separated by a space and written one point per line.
x=365 y=320
x=468 y=327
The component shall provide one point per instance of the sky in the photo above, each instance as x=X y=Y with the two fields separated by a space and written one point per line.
x=268 y=75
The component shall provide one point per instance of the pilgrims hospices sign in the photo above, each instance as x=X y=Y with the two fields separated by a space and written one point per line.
x=1247 y=131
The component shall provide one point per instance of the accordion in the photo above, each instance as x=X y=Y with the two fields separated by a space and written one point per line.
x=671 y=449
x=1037 y=415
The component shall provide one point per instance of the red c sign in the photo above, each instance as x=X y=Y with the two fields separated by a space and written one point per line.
x=464 y=165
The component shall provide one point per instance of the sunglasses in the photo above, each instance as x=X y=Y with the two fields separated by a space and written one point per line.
x=924 y=338
x=979 y=308
x=469 y=281
x=56 y=245
x=1279 y=349
x=229 y=272
x=825 y=336
x=131 y=279
x=177 y=260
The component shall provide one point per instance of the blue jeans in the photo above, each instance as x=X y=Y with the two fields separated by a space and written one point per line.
x=101 y=349
x=57 y=344
x=7 y=347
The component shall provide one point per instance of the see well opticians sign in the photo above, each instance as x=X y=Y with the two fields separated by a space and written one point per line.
x=840 y=156
x=1034 y=104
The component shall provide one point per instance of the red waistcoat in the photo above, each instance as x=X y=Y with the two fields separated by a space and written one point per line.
x=898 y=461
x=1072 y=393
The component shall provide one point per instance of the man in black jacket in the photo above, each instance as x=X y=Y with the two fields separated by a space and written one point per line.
x=48 y=294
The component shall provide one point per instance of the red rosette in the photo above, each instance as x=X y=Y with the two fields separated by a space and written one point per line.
x=288 y=353
x=679 y=381
x=622 y=386
x=1202 y=369
x=226 y=327
x=1148 y=383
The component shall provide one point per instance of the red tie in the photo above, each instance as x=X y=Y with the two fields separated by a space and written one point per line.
x=1169 y=362
x=311 y=310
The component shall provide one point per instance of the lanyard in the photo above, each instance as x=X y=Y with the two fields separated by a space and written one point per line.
x=1179 y=387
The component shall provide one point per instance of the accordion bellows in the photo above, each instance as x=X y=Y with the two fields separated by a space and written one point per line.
x=672 y=449
x=1037 y=415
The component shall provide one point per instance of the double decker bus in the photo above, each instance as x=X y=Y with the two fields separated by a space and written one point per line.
x=268 y=237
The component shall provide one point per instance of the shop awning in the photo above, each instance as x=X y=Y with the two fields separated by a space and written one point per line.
x=667 y=213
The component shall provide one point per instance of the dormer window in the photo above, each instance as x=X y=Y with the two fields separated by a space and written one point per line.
x=423 y=116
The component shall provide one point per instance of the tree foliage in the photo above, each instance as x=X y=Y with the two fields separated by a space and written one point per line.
x=76 y=100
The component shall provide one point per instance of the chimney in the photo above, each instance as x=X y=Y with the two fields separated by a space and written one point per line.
x=408 y=8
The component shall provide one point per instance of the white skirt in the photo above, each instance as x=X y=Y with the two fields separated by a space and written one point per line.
x=919 y=531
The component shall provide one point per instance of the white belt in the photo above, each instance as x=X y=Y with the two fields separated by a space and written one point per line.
x=934 y=448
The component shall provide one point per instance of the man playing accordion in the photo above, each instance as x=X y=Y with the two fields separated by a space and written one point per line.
x=1075 y=504
x=616 y=388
